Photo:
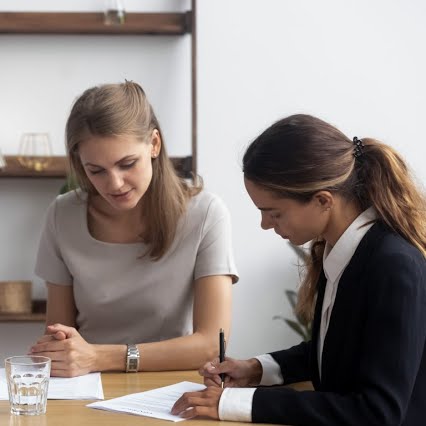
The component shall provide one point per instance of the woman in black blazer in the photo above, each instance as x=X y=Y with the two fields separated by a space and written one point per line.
x=364 y=285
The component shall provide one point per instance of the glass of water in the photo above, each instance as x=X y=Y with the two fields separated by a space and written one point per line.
x=27 y=381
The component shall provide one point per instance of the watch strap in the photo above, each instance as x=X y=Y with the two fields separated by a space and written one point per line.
x=132 y=359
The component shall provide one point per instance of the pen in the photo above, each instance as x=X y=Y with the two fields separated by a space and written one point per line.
x=222 y=354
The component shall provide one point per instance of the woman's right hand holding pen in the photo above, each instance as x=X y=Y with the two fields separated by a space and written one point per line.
x=238 y=373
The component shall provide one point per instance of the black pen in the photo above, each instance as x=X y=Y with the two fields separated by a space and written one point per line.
x=222 y=354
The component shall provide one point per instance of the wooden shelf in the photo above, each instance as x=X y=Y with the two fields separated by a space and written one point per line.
x=58 y=168
x=38 y=314
x=93 y=23
x=32 y=317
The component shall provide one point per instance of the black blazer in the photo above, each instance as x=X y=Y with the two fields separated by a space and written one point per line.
x=374 y=358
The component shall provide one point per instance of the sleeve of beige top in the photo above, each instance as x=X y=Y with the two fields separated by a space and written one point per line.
x=50 y=265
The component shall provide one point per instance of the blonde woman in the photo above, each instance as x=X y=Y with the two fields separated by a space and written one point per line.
x=138 y=263
x=364 y=288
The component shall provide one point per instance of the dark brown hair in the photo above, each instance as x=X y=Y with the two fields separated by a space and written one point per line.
x=301 y=155
x=123 y=110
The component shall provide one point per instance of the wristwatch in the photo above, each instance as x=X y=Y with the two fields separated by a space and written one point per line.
x=132 y=359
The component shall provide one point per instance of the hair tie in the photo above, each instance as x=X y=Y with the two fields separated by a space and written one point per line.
x=359 y=147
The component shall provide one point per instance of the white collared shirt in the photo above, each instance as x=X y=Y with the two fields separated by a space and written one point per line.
x=236 y=403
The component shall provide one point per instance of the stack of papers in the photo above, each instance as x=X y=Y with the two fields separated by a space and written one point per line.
x=155 y=403
x=88 y=386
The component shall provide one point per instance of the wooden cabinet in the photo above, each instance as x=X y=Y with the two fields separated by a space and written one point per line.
x=76 y=23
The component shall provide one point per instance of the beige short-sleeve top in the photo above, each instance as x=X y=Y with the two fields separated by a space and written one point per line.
x=121 y=297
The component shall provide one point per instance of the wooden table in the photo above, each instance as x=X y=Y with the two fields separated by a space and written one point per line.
x=75 y=413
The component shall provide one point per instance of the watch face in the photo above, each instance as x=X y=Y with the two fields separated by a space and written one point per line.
x=133 y=364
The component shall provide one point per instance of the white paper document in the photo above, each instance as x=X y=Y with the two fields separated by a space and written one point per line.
x=88 y=386
x=154 y=403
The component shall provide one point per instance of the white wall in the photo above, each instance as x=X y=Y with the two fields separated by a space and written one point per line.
x=358 y=64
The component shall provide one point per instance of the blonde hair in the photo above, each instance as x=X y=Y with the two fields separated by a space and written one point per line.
x=123 y=110
x=301 y=155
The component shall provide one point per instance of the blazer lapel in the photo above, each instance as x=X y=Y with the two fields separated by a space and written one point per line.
x=349 y=298
x=315 y=330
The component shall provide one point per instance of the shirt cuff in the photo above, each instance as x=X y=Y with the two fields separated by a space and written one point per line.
x=235 y=404
x=271 y=371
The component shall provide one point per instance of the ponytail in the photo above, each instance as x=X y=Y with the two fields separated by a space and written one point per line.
x=392 y=191
x=383 y=181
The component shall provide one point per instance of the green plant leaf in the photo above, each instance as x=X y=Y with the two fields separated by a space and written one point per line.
x=296 y=327
x=69 y=185
x=302 y=321
x=300 y=251
x=300 y=326
x=292 y=298
x=280 y=317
